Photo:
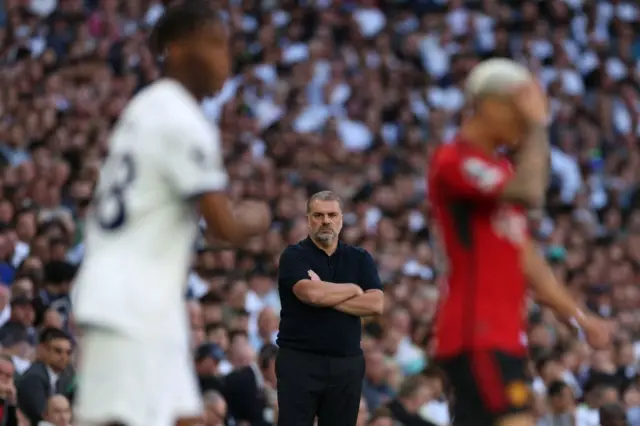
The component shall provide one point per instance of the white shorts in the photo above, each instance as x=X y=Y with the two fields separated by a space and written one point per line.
x=135 y=382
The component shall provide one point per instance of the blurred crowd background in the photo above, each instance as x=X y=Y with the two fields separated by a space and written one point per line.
x=346 y=95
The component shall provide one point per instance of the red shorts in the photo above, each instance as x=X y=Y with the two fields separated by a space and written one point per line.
x=487 y=385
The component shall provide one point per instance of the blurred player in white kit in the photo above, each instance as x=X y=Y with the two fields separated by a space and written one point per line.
x=164 y=167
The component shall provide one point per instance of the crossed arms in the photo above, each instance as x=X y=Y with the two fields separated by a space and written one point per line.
x=347 y=298
x=295 y=275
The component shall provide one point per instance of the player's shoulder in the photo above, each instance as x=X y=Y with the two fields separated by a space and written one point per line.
x=166 y=104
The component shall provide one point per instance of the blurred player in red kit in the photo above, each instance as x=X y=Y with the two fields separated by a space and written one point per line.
x=479 y=202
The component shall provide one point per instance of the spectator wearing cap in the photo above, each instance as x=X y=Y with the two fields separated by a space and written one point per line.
x=250 y=391
x=325 y=287
x=47 y=376
x=21 y=319
x=207 y=358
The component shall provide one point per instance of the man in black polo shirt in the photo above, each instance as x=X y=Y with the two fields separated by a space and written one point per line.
x=325 y=287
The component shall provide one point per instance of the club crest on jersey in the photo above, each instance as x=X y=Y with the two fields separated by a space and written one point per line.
x=481 y=174
x=199 y=157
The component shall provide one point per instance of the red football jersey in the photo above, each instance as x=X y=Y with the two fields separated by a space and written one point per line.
x=483 y=296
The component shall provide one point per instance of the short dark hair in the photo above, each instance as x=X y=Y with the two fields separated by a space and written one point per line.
x=612 y=414
x=410 y=386
x=555 y=388
x=211 y=298
x=323 y=196
x=50 y=334
x=180 y=20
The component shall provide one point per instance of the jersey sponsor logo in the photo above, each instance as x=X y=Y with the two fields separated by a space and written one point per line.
x=481 y=174
x=509 y=225
x=518 y=394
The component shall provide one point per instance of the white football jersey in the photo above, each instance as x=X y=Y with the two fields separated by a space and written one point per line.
x=140 y=235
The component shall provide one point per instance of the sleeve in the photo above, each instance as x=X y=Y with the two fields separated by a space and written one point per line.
x=292 y=268
x=369 y=278
x=192 y=161
x=470 y=176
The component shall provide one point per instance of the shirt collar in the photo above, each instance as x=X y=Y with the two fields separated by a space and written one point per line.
x=53 y=376
x=308 y=242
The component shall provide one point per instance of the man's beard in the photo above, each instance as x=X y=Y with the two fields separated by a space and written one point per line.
x=325 y=236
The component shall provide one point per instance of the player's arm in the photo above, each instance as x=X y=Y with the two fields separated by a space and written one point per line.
x=371 y=303
x=546 y=287
x=552 y=293
x=472 y=177
x=528 y=185
x=191 y=159
x=234 y=224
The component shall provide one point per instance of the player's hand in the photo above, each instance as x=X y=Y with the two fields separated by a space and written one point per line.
x=256 y=215
x=532 y=102
x=597 y=331
x=313 y=276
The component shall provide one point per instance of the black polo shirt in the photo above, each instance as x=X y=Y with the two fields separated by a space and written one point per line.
x=324 y=331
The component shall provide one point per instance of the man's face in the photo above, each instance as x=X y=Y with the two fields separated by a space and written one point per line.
x=501 y=115
x=563 y=402
x=24 y=314
x=207 y=53
x=59 y=412
x=59 y=353
x=325 y=221
x=6 y=372
x=376 y=370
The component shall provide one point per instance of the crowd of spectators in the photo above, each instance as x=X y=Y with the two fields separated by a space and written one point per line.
x=347 y=95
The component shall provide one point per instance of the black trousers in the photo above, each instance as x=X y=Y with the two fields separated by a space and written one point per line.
x=325 y=387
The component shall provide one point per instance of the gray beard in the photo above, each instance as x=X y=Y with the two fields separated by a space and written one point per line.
x=325 y=238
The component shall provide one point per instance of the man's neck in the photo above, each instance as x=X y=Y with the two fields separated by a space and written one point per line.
x=176 y=76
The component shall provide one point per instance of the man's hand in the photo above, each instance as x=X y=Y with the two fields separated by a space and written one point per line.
x=532 y=102
x=313 y=276
x=596 y=330
x=254 y=214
